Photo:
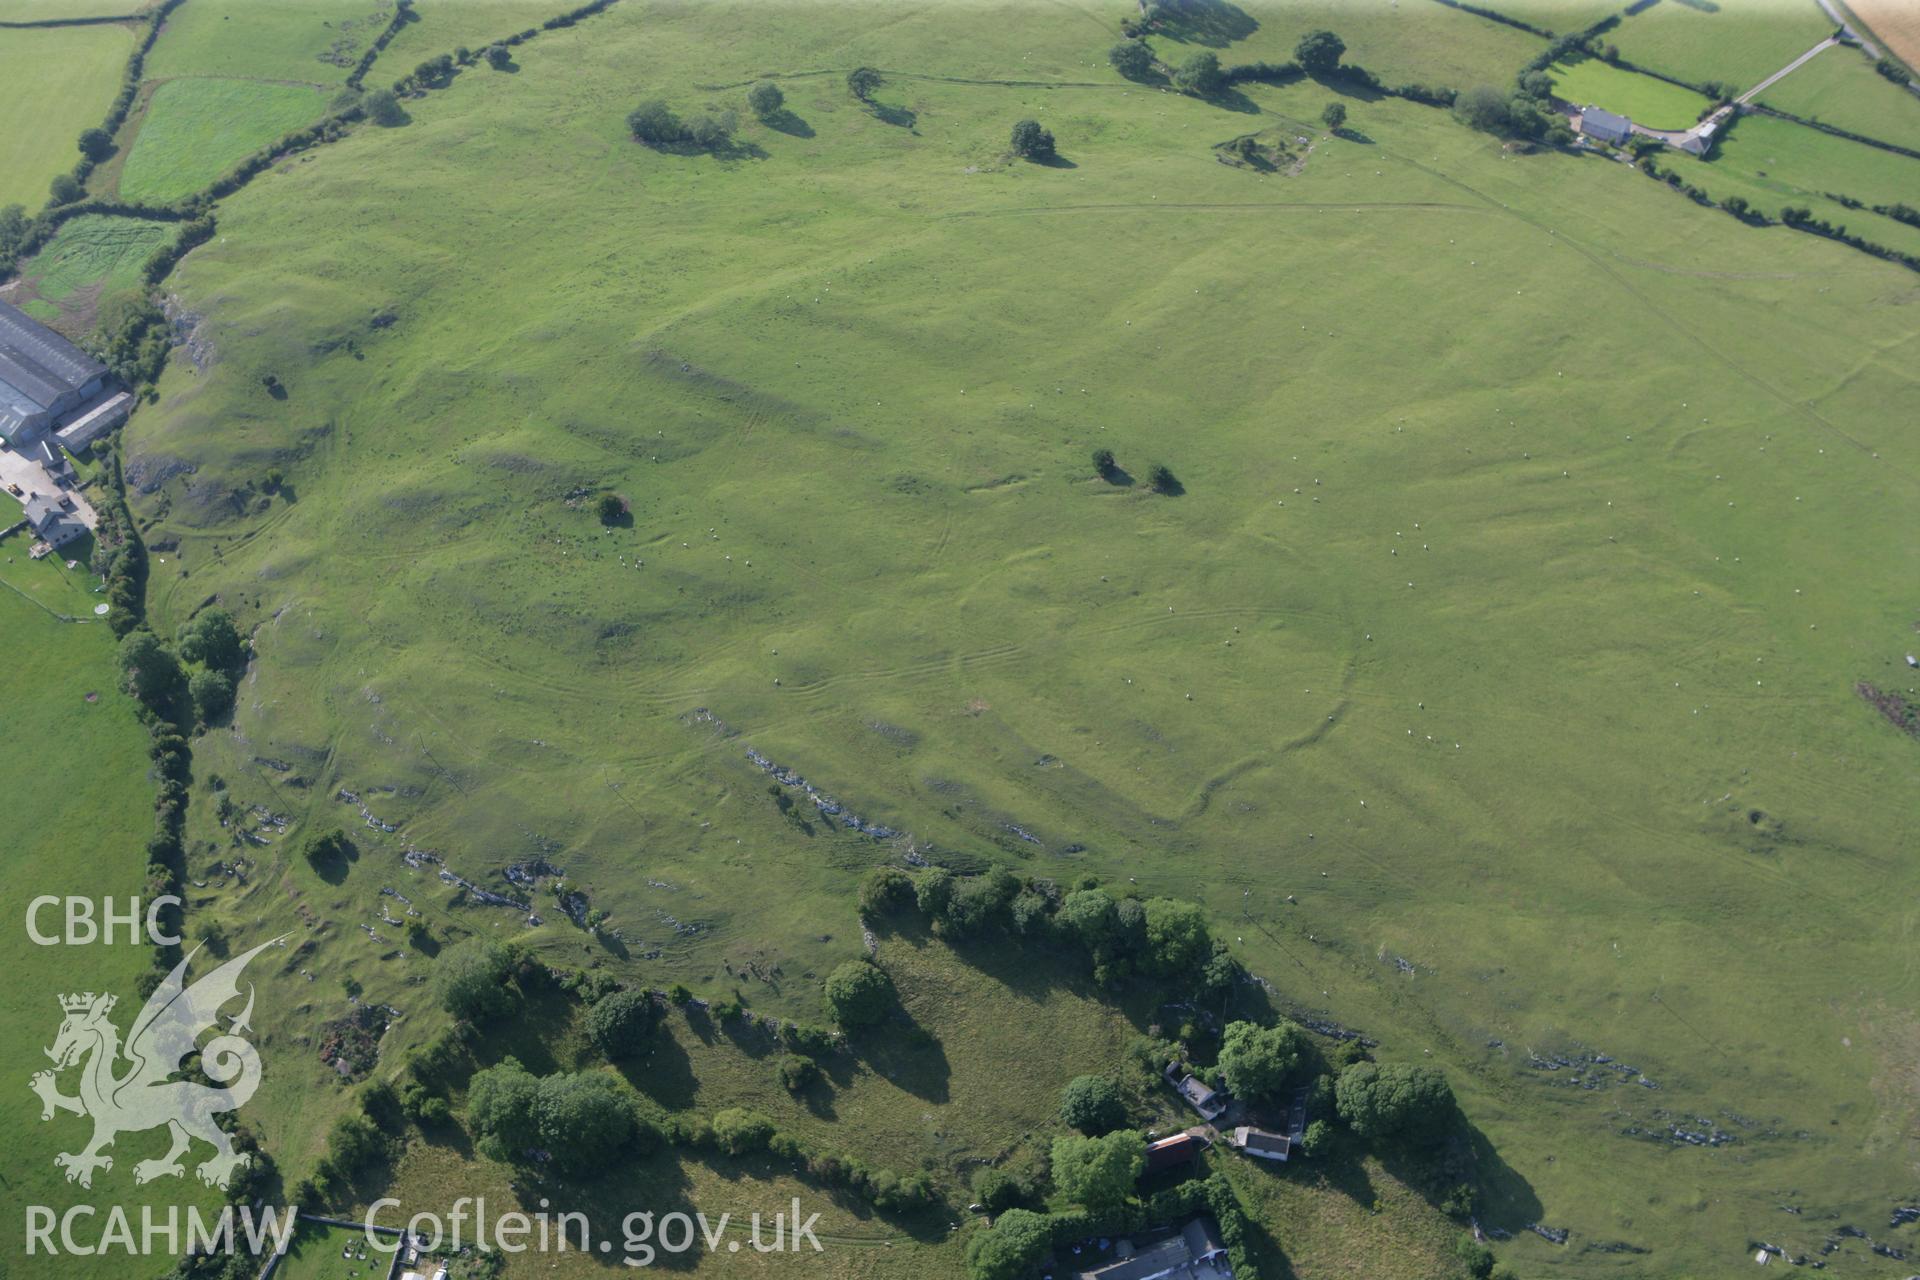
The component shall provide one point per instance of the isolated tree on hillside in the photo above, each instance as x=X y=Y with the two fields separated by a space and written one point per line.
x=212 y=638
x=654 y=123
x=619 y=1024
x=96 y=143
x=1394 y=1100
x=383 y=108
x=1011 y=1248
x=1030 y=141
x=1093 y=1104
x=1256 y=1061
x=858 y=994
x=150 y=670
x=212 y=694
x=1199 y=75
x=610 y=508
x=1319 y=52
x=585 y=1119
x=712 y=131
x=885 y=891
x=766 y=100
x=863 y=81
x=470 y=979
x=500 y=1109
x=1334 y=116
x=1098 y=1172
x=1131 y=58
x=1482 y=107
x=933 y=890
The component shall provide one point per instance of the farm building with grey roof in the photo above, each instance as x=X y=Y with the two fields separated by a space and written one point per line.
x=47 y=383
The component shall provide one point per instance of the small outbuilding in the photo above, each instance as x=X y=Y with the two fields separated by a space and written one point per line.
x=1167 y=1153
x=1208 y=1102
x=1262 y=1144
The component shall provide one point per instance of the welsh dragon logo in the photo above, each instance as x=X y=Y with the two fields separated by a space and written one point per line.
x=146 y=1095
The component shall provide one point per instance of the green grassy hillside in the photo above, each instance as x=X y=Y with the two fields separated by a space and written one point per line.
x=1491 y=679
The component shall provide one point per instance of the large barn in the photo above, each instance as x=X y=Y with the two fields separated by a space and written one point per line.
x=49 y=385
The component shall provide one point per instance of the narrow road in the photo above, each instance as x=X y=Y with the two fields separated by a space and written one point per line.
x=1791 y=67
x=1840 y=20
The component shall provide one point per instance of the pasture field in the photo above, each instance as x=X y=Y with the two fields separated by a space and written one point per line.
x=1841 y=88
x=78 y=816
x=1444 y=47
x=1784 y=154
x=1642 y=99
x=90 y=258
x=1740 y=42
x=1734 y=173
x=54 y=82
x=195 y=129
x=299 y=41
x=1562 y=17
x=441 y=26
x=1495 y=738
x=63 y=10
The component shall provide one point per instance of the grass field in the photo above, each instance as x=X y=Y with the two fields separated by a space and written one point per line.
x=1444 y=46
x=1786 y=155
x=301 y=41
x=78 y=816
x=196 y=129
x=1562 y=17
x=91 y=257
x=60 y=10
x=1741 y=42
x=1642 y=99
x=1841 y=88
x=1597 y=485
x=441 y=26
x=54 y=82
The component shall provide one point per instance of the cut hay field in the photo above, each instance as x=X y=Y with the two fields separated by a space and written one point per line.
x=1643 y=99
x=1893 y=23
x=1841 y=88
x=1491 y=682
x=90 y=258
x=54 y=82
x=302 y=41
x=79 y=811
x=195 y=129
x=1740 y=42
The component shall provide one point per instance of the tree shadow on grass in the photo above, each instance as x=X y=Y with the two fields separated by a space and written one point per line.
x=654 y=1184
x=906 y=1055
x=664 y=1072
x=1228 y=98
x=1055 y=161
x=1502 y=1197
x=898 y=117
x=785 y=121
x=1213 y=23
x=1346 y=134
